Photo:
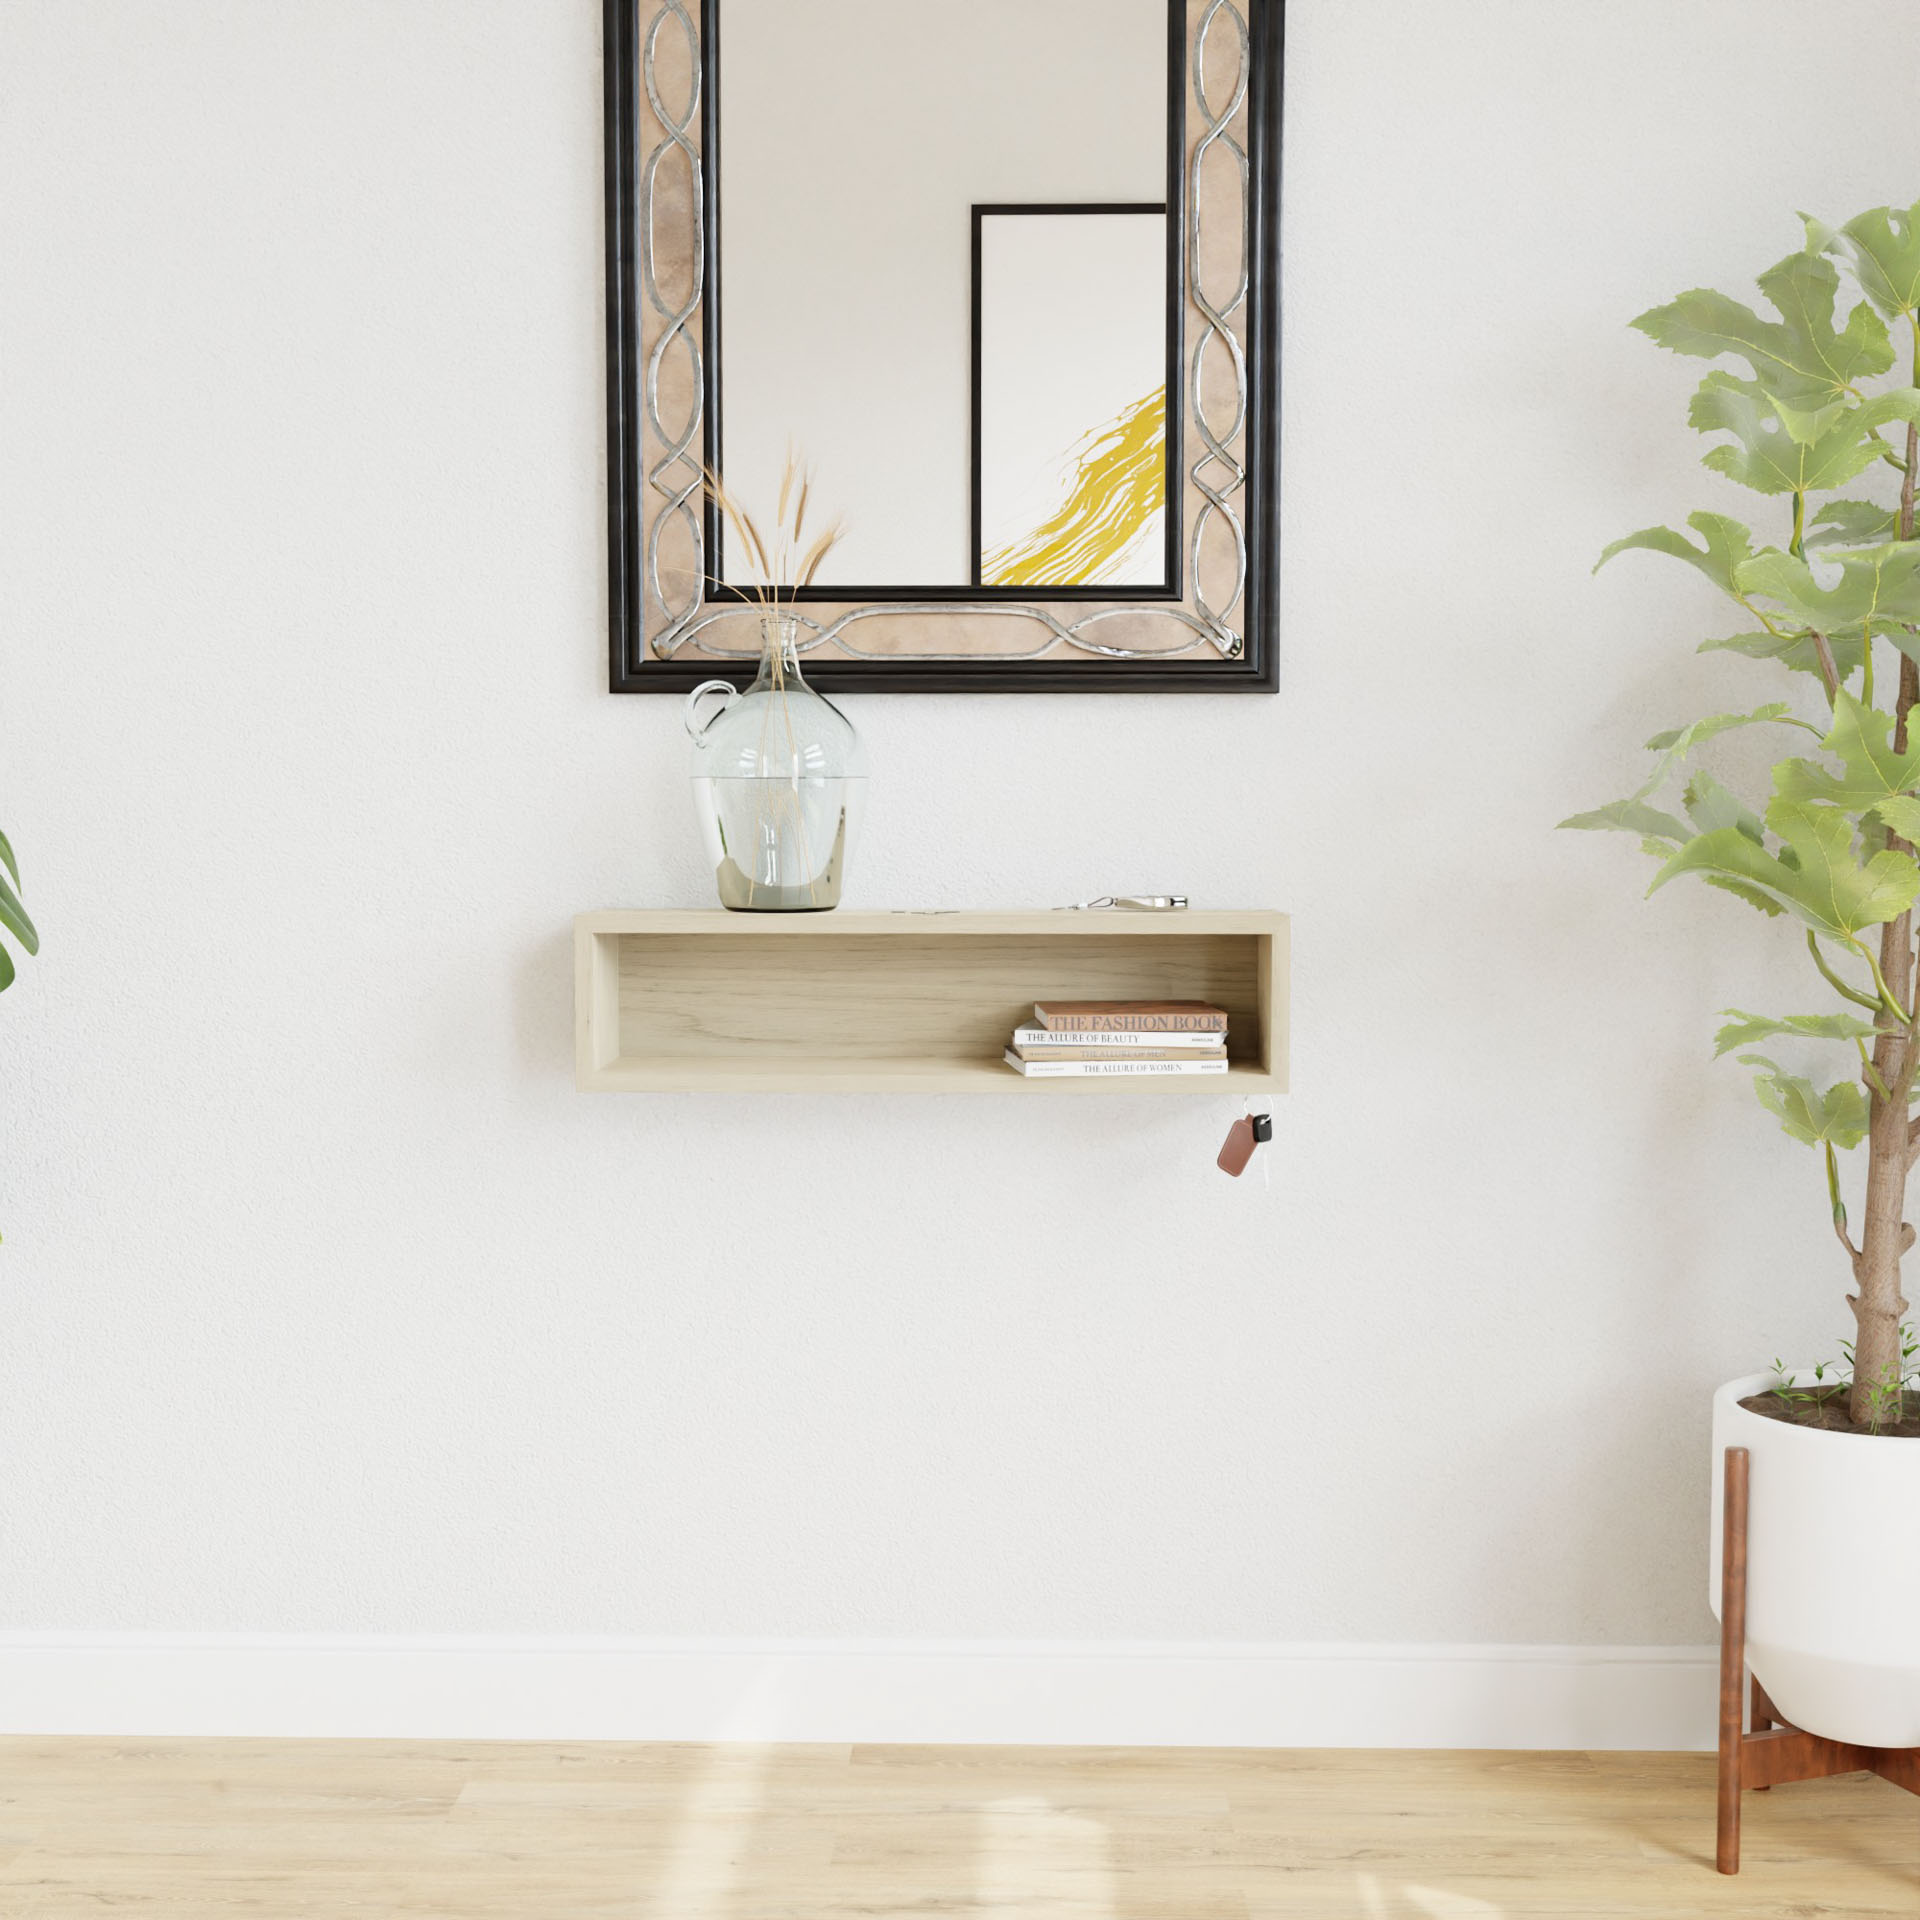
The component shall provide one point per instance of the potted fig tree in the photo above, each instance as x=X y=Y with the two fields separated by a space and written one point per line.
x=1816 y=408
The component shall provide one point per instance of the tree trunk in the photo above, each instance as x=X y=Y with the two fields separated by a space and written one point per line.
x=1879 y=1305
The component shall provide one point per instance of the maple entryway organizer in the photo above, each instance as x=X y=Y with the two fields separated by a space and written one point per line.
x=903 y=1002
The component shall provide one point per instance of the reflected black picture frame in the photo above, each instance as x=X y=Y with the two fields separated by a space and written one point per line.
x=1257 y=671
x=1174 y=361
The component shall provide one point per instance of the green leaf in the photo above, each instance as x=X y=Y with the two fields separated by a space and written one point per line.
x=1849 y=523
x=1783 y=449
x=1838 y=1116
x=1862 y=736
x=1876 y=584
x=1801 y=423
x=1830 y=885
x=7 y=860
x=1728 y=543
x=1882 y=246
x=1873 y=773
x=1798 y=358
x=1677 y=740
x=1632 y=816
x=1749 y=1029
x=1815 y=877
x=1807 y=426
x=6 y=969
x=1741 y=891
x=1710 y=806
x=1676 y=743
x=1902 y=814
x=13 y=916
x=1793 y=650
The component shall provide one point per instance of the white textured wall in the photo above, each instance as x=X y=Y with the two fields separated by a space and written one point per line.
x=326 y=1303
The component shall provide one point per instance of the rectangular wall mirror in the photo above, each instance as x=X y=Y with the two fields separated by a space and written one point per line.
x=1004 y=274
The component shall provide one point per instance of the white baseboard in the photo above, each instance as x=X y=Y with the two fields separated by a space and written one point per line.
x=1043 y=1693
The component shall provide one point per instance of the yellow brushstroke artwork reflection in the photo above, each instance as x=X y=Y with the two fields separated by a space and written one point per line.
x=1118 y=482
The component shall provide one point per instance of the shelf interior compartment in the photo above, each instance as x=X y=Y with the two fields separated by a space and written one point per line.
x=929 y=1009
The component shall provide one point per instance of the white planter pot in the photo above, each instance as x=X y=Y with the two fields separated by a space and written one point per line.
x=1833 y=1571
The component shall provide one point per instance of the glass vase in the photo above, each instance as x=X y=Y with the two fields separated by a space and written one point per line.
x=779 y=782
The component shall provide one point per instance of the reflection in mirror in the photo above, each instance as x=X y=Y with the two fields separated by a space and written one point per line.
x=1070 y=396
x=945 y=271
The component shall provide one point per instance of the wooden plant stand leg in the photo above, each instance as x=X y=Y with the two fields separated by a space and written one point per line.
x=1760 y=1713
x=1733 y=1655
x=1773 y=1753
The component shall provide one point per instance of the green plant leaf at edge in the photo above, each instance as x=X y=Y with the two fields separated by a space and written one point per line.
x=1902 y=814
x=1837 y=1117
x=1882 y=248
x=1800 y=358
x=1709 y=806
x=1779 y=449
x=1878 y=584
x=1630 y=816
x=1795 y=651
x=1749 y=1029
x=1849 y=523
x=1728 y=544
x=1822 y=886
x=13 y=916
x=1676 y=743
x=1873 y=775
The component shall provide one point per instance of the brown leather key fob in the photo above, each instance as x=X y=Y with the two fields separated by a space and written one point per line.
x=1246 y=1133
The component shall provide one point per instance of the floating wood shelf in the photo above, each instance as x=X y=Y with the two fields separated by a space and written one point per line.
x=719 y=1002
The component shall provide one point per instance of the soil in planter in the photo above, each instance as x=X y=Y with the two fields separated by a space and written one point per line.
x=1826 y=1408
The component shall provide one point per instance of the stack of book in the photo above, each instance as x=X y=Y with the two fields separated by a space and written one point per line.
x=1086 y=1037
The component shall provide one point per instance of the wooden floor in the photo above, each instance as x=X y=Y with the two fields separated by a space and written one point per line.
x=299 y=1830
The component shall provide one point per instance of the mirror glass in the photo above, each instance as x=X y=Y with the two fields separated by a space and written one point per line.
x=945 y=276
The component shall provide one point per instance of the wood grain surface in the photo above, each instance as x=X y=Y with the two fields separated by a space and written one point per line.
x=908 y=1002
x=298 y=1830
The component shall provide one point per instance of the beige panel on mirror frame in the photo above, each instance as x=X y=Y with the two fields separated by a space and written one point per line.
x=904 y=1002
x=1221 y=634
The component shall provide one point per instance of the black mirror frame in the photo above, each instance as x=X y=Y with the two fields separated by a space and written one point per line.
x=1257 y=668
